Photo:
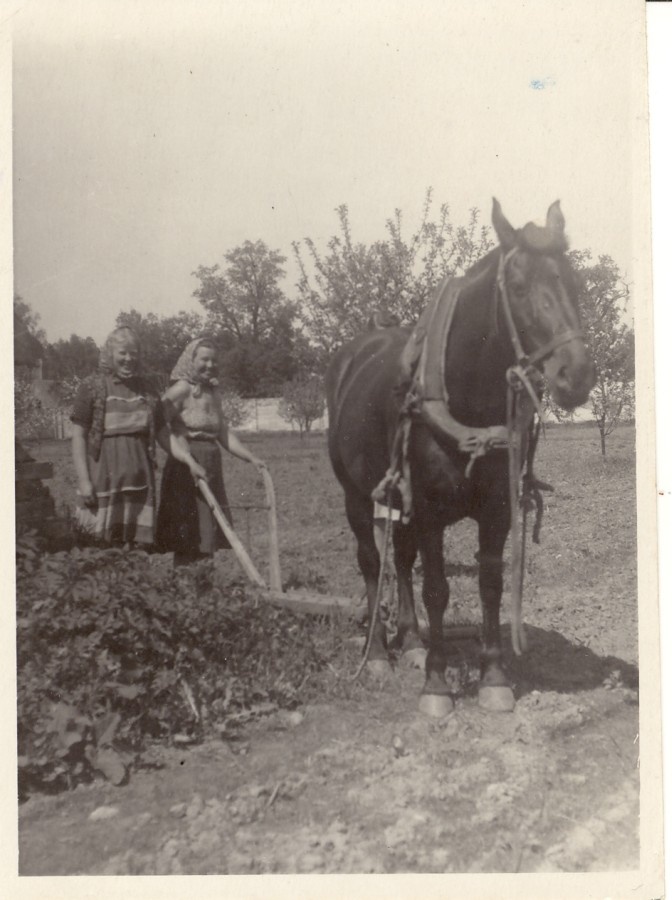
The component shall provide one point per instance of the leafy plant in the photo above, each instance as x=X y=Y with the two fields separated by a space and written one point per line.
x=115 y=651
x=31 y=419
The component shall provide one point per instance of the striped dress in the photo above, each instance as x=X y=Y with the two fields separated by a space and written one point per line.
x=123 y=475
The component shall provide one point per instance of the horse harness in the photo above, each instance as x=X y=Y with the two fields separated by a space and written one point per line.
x=426 y=400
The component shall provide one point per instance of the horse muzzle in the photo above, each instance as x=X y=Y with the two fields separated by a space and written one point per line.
x=570 y=374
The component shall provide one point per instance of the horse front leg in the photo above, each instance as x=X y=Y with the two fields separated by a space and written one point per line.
x=435 y=699
x=494 y=691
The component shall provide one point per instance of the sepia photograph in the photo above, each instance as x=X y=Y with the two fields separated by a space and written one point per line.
x=334 y=449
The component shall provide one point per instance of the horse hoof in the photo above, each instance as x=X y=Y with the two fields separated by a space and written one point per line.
x=414 y=658
x=496 y=698
x=436 y=705
x=379 y=668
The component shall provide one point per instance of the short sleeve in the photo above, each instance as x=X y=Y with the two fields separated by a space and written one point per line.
x=82 y=409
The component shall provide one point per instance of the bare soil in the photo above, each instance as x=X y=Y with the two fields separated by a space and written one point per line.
x=358 y=780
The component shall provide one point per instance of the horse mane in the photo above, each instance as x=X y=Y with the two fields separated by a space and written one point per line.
x=481 y=265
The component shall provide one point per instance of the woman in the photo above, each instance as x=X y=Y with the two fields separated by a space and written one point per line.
x=193 y=408
x=117 y=419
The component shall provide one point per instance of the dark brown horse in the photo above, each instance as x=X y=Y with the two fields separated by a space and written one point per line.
x=517 y=305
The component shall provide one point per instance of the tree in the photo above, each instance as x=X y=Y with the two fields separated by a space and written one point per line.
x=75 y=358
x=29 y=338
x=251 y=319
x=244 y=300
x=395 y=275
x=26 y=321
x=162 y=339
x=602 y=297
x=302 y=402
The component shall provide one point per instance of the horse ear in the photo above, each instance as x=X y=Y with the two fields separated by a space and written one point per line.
x=503 y=229
x=555 y=221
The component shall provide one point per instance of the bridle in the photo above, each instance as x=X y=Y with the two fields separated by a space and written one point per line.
x=523 y=433
x=525 y=373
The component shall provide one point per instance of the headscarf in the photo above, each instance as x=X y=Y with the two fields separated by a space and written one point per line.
x=119 y=336
x=184 y=369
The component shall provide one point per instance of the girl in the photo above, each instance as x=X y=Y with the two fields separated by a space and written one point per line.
x=117 y=420
x=193 y=408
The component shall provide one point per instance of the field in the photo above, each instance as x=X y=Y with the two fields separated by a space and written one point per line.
x=356 y=780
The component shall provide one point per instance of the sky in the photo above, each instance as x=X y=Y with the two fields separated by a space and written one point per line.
x=149 y=140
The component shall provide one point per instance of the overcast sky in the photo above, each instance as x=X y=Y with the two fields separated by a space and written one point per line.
x=152 y=137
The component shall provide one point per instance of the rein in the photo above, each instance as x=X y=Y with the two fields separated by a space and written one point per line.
x=524 y=383
x=427 y=400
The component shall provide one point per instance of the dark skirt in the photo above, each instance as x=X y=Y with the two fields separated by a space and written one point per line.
x=185 y=523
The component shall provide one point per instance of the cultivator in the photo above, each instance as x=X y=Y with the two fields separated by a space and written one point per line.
x=272 y=592
x=299 y=601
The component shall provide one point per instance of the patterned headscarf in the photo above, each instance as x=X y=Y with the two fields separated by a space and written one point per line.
x=118 y=337
x=185 y=370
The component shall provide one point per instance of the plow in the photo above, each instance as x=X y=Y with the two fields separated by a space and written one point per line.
x=271 y=591
x=298 y=601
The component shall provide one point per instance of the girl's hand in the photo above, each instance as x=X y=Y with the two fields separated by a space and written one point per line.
x=259 y=463
x=88 y=495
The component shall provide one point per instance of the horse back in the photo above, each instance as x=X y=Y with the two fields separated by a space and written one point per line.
x=362 y=406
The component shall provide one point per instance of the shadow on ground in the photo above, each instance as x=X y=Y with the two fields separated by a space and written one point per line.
x=552 y=663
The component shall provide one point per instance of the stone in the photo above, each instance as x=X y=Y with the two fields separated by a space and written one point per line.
x=103 y=812
x=436 y=705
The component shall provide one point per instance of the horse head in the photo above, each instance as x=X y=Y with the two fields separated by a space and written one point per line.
x=538 y=294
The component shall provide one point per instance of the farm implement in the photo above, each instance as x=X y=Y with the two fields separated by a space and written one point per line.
x=272 y=592
x=301 y=601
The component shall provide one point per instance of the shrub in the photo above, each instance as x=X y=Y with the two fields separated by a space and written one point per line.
x=302 y=402
x=234 y=408
x=31 y=420
x=115 y=651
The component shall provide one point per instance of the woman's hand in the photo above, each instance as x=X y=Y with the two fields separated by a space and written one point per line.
x=258 y=463
x=88 y=495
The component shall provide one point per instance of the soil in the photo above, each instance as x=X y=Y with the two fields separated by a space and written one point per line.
x=360 y=781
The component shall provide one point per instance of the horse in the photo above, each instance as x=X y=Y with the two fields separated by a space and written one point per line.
x=515 y=310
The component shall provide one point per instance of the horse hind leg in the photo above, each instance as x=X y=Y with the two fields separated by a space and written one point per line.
x=435 y=699
x=408 y=636
x=359 y=511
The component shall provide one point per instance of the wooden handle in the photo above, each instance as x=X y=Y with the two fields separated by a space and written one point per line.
x=273 y=550
x=231 y=536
